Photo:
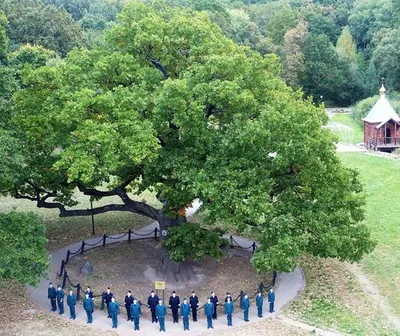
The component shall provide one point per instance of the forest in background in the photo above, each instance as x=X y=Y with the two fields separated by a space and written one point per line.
x=334 y=50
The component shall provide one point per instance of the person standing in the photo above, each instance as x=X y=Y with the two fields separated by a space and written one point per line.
x=229 y=309
x=194 y=305
x=60 y=299
x=71 y=302
x=91 y=295
x=174 y=304
x=88 y=306
x=107 y=299
x=185 y=313
x=209 y=312
x=271 y=300
x=161 y=313
x=128 y=302
x=52 y=295
x=152 y=302
x=135 y=313
x=246 y=307
x=214 y=301
x=114 y=312
x=259 y=304
x=228 y=295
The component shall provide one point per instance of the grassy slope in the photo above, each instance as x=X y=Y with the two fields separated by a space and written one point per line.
x=333 y=297
x=380 y=177
x=347 y=120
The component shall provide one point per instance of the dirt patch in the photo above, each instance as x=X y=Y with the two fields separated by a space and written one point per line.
x=133 y=266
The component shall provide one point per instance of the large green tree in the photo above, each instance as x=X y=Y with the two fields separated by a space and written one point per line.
x=173 y=106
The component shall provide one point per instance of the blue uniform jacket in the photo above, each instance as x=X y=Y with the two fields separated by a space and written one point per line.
x=108 y=297
x=161 y=311
x=229 y=308
x=60 y=295
x=136 y=310
x=51 y=293
x=271 y=297
x=259 y=300
x=185 y=309
x=114 y=307
x=245 y=304
x=71 y=300
x=152 y=301
x=174 y=302
x=88 y=304
x=209 y=309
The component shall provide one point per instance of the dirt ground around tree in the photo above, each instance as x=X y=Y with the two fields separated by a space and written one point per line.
x=133 y=266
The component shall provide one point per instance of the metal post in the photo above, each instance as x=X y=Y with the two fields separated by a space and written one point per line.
x=155 y=235
x=274 y=278
x=104 y=240
x=231 y=240
x=67 y=258
x=91 y=207
x=64 y=279
x=62 y=268
x=254 y=247
x=83 y=247
x=129 y=235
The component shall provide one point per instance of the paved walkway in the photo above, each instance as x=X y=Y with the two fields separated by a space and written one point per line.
x=288 y=286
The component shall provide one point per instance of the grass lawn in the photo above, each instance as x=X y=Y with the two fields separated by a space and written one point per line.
x=64 y=231
x=347 y=120
x=380 y=177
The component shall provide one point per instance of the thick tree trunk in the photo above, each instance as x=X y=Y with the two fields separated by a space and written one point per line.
x=170 y=271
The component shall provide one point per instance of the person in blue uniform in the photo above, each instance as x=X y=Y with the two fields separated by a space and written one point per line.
x=229 y=309
x=52 y=295
x=60 y=299
x=152 y=302
x=71 y=302
x=185 y=313
x=161 y=313
x=246 y=307
x=128 y=302
x=91 y=295
x=209 y=312
x=135 y=313
x=88 y=306
x=174 y=304
x=271 y=300
x=214 y=301
x=114 y=312
x=107 y=299
x=259 y=304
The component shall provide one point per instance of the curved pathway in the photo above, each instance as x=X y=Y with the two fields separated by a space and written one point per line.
x=288 y=286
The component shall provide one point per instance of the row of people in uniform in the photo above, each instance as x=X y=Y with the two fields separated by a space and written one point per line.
x=157 y=308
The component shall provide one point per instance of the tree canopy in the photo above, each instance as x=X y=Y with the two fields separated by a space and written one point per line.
x=171 y=105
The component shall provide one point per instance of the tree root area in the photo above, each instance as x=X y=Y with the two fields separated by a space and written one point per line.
x=135 y=266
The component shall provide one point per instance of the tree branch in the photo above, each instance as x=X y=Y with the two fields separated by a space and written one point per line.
x=156 y=63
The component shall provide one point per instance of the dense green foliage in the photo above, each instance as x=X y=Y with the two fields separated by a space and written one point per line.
x=171 y=105
x=23 y=254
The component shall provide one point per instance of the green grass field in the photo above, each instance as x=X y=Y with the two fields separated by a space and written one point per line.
x=347 y=120
x=380 y=176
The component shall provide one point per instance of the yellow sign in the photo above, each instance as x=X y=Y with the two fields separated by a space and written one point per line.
x=160 y=284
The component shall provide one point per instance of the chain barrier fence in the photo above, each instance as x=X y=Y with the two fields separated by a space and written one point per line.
x=154 y=234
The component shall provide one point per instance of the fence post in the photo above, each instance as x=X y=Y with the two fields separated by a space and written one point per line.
x=62 y=268
x=231 y=240
x=67 y=258
x=155 y=233
x=64 y=279
x=241 y=298
x=129 y=235
x=274 y=278
x=253 y=247
x=83 y=247
x=78 y=291
x=104 y=240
